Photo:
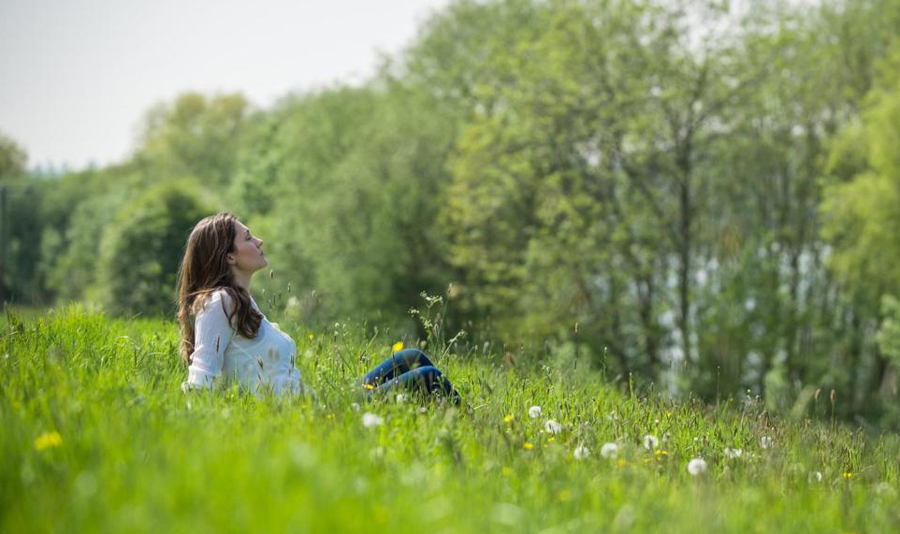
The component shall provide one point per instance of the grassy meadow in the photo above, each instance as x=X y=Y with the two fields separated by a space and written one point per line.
x=97 y=436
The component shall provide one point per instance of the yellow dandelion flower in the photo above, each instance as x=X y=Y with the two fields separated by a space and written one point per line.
x=507 y=471
x=621 y=462
x=398 y=346
x=368 y=386
x=848 y=475
x=552 y=439
x=508 y=418
x=660 y=454
x=48 y=440
x=528 y=445
x=310 y=336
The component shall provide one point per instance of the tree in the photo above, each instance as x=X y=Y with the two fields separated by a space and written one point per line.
x=140 y=252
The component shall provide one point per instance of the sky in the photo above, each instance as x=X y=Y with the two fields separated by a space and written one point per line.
x=76 y=76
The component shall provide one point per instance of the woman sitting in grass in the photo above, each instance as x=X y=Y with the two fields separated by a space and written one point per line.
x=227 y=337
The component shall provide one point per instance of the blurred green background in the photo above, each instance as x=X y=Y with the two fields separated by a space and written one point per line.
x=703 y=203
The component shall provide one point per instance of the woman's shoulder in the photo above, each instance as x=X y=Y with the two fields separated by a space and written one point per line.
x=218 y=296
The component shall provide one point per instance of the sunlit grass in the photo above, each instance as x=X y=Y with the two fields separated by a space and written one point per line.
x=98 y=437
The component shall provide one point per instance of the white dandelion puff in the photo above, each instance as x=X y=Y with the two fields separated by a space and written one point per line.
x=581 y=452
x=370 y=420
x=733 y=453
x=552 y=427
x=400 y=398
x=609 y=450
x=696 y=466
x=534 y=412
x=766 y=442
x=650 y=442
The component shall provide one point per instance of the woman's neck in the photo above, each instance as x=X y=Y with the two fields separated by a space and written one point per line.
x=242 y=279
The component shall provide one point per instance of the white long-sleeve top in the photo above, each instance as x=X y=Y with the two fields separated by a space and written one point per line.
x=221 y=354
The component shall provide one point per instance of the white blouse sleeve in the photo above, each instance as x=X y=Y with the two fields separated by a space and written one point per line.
x=212 y=333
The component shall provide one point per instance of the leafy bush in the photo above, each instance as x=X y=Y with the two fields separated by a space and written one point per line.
x=140 y=251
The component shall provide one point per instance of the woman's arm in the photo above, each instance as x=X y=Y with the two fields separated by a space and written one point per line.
x=212 y=333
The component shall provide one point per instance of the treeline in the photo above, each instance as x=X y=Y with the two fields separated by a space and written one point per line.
x=685 y=195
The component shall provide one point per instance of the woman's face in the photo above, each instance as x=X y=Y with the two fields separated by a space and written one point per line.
x=248 y=256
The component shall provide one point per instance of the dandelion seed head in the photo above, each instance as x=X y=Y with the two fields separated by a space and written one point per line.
x=650 y=442
x=371 y=420
x=609 y=450
x=581 y=452
x=766 y=442
x=552 y=427
x=733 y=453
x=534 y=412
x=696 y=466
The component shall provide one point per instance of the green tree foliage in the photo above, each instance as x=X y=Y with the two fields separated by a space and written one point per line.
x=141 y=249
x=12 y=158
x=196 y=136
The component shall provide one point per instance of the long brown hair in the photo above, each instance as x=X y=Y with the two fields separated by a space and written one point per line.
x=204 y=269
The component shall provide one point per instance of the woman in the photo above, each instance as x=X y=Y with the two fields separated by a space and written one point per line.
x=227 y=337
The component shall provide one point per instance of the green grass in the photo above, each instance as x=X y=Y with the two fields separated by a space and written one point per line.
x=137 y=455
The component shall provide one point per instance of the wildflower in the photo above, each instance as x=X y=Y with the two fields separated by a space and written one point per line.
x=621 y=462
x=368 y=386
x=508 y=418
x=528 y=445
x=733 y=453
x=310 y=336
x=660 y=454
x=48 y=440
x=609 y=450
x=581 y=452
x=534 y=412
x=370 y=420
x=650 y=442
x=400 y=398
x=766 y=442
x=398 y=346
x=696 y=466
x=552 y=427
x=847 y=475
